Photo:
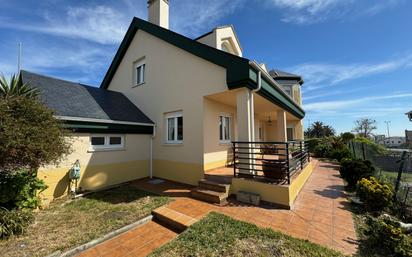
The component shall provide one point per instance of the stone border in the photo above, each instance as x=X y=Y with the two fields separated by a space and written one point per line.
x=97 y=241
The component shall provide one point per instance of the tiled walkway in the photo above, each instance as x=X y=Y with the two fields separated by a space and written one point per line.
x=319 y=214
x=137 y=242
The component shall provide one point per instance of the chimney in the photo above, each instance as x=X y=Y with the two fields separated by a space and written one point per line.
x=159 y=12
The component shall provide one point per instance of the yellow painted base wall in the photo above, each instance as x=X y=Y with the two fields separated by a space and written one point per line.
x=92 y=177
x=187 y=173
x=298 y=182
x=283 y=195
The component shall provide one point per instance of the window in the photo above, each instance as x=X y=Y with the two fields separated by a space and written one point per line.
x=140 y=72
x=224 y=128
x=106 y=142
x=290 y=134
x=288 y=90
x=174 y=128
x=260 y=133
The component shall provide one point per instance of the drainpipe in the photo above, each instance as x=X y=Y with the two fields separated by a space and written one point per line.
x=151 y=152
x=252 y=114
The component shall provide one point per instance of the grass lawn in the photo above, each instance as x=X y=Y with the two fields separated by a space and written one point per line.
x=66 y=224
x=219 y=235
x=406 y=177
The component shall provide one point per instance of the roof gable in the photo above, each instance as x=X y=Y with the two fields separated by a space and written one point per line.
x=237 y=68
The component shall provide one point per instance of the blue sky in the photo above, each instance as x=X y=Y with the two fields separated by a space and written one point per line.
x=355 y=56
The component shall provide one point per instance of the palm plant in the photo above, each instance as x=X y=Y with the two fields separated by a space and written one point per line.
x=15 y=87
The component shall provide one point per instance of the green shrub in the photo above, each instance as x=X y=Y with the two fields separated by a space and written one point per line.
x=14 y=222
x=353 y=170
x=375 y=195
x=20 y=190
x=322 y=150
x=312 y=143
x=339 y=154
x=386 y=234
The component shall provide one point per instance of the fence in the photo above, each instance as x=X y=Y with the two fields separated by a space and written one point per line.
x=392 y=164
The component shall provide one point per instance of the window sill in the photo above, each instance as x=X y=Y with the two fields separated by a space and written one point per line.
x=173 y=144
x=138 y=85
x=225 y=143
x=106 y=150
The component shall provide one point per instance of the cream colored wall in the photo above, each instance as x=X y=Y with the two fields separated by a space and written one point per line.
x=159 y=13
x=209 y=40
x=216 y=154
x=175 y=81
x=100 y=168
x=227 y=34
x=221 y=35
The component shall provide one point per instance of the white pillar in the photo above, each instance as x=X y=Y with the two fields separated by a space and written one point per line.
x=281 y=133
x=245 y=123
x=299 y=130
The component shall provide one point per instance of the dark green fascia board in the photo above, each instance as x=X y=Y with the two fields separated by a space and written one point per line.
x=271 y=92
x=237 y=68
x=96 y=127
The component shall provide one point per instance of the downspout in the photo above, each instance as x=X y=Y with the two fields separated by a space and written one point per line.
x=252 y=114
x=151 y=152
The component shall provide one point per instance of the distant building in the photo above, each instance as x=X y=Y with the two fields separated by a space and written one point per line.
x=393 y=142
x=408 y=136
x=379 y=139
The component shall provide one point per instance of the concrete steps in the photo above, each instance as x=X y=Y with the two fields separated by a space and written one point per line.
x=214 y=186
x=172 y=219
x=211 y=191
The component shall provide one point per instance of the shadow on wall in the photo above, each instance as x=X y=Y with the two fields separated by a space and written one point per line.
x=62 y=186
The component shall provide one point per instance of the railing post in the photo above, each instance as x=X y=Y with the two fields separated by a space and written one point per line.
x=234 y=158
x=301 y=155
x=287 y=161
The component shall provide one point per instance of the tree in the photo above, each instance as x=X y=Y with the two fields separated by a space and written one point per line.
x=347 y=136
x=30 y=136
x=364 y=127
x=319 y=130
x=15 y=87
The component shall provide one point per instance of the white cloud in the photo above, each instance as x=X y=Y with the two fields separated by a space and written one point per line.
x=320 y=75
x=107 y=24
x=193 y=17
x=313 y=11
x=332 y=106
x=101 y=24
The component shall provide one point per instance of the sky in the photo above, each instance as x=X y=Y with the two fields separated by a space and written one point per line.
x=354 y=56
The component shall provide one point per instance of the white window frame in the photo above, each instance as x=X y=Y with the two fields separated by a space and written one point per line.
x=223 y=117
x=136 y=65
x=174 y=116
x=289 y=87
x=107 y=146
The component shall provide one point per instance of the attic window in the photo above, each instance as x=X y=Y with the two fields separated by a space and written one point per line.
x=139 y=73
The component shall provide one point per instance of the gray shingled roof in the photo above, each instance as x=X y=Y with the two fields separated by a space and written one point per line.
x=282 y=74
x=76 y=100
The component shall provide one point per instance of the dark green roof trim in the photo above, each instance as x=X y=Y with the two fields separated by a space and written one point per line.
x=237 y=68
x=239 y=72
x=95 y=127
x=277 y=96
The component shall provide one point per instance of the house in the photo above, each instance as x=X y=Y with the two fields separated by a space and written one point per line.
x=170 y=107
x=394 y=142
x=379 y=139
x=408 y=136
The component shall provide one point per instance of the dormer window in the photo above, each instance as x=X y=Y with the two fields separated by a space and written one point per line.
x=139 y=73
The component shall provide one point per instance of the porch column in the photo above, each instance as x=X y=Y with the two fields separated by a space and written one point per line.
x=245 y=121
x=299 y=130
x=281 y=133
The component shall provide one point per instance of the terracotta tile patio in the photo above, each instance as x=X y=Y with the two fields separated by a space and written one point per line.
x=320 y=214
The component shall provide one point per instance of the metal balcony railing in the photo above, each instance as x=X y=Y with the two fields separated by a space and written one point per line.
x=274 y=162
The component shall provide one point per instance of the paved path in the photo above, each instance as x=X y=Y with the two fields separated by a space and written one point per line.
x=320 y=214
